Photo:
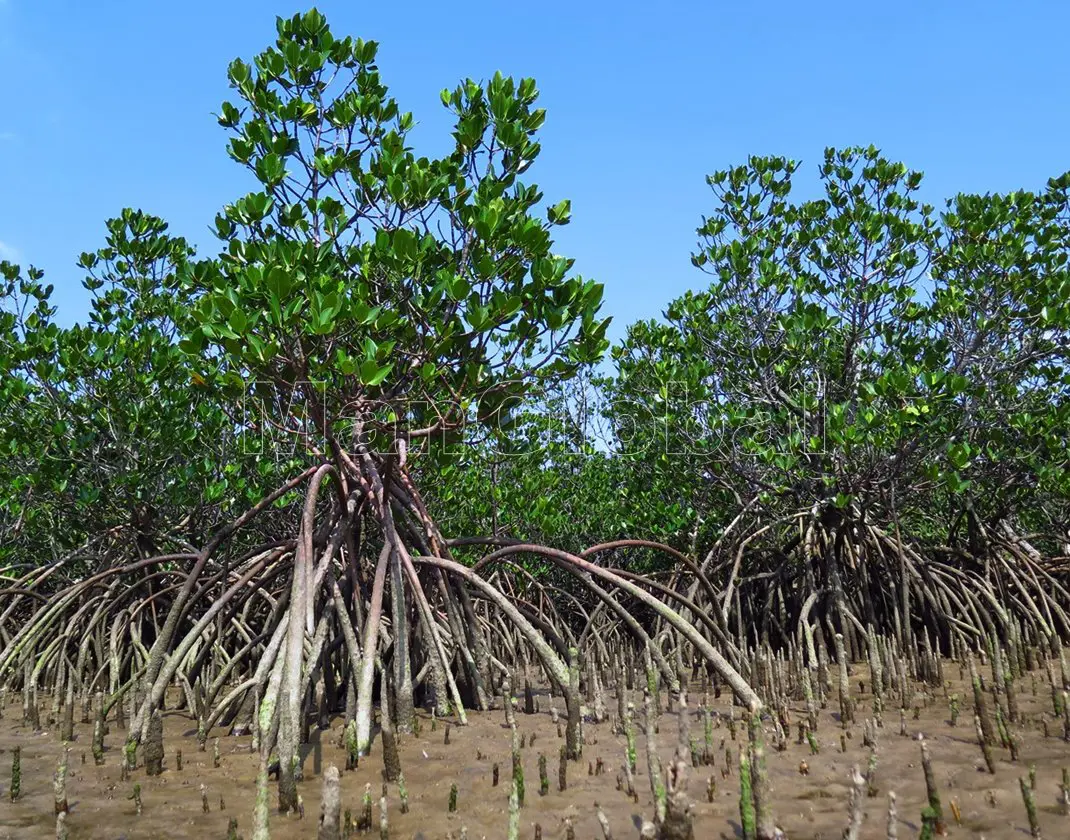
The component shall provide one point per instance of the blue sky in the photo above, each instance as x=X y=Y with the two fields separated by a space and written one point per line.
x=109 y=104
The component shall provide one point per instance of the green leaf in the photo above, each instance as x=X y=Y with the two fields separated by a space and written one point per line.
x=560 y=213
x=237 y=321
x=371 y=374
x=278 y=281
x=270 y=170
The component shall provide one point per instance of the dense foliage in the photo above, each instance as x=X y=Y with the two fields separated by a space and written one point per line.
x=857 y=351
x=857 y=346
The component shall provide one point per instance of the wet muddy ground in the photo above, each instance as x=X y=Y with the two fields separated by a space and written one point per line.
x=808 y=807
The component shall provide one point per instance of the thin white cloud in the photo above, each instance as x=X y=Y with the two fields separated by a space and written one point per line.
x=7 y=135
x=9 y=252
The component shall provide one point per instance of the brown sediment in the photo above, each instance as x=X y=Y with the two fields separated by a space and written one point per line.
x=804 y=806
